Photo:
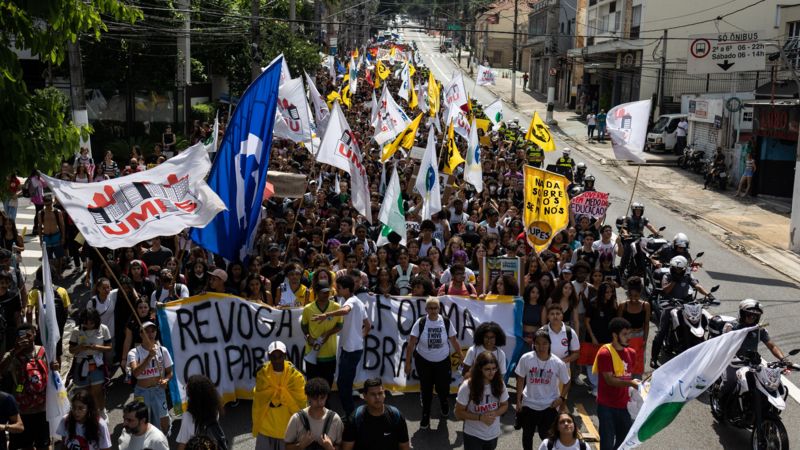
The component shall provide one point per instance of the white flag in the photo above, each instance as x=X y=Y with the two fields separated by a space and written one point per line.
x=461 y=124
x=353 y=76
x=373 y=108
x=455 y=96
x=321 y=112
x=428 y=179
x=331 y=63
x=405 y=83
x=683 y=378
x=627 y=127
x=392 y=215
x=494 y=112
x=359 y=185
x=293 y=111
x=211 y=144
x=162 y=201
x=338 y=142
x=285 y=74
x=422 y=95
x=485 y=76
x=337 y=188
x=391 y=120
x=473 y=171
x=57 y=402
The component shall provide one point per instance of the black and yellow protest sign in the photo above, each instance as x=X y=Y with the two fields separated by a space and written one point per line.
x=546 y=206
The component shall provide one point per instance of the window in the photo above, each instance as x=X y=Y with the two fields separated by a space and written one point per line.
x=604 y=24
x=636 y=21
x=617 y=20
x=793 y=44
x=612 y=7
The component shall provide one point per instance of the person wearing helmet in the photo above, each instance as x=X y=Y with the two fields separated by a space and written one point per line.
x=580 y=172
x=750 y=312
x=676 y=284
x=588 y=183
x=637 y=222
x=565 y=160
x=678 y=247
x=534 y=155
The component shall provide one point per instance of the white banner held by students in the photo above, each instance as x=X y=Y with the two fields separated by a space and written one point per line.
x=226 y=337
x=627 y=126
x=161 y=201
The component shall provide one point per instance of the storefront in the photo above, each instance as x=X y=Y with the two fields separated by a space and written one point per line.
x=775 y=129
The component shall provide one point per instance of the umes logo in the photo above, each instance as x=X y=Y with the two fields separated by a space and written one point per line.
x=539 y=232
x=125 y=210
x=290 y=115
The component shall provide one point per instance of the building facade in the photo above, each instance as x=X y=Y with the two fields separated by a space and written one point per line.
x=544 y=41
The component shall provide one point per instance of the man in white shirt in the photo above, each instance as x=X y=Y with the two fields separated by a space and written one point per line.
x=139 y=433
x=609 y=245
x=351 y=339
x=563 y=345
x=680 y=134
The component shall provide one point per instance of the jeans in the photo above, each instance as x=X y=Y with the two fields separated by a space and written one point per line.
x=155 y=398
x=664 y=326
x=614 y=426
x=474 y=443
x=591 y=131
x=432 y=374
x=533 y=421
x=10 y=207
x=348 y=365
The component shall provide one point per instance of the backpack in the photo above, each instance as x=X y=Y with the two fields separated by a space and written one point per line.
x=470 y=288
x=178 y=287
x=388 y=411
x=30 y=382
x=213 y=431
x=424 y=319
x=551 y=444
x=304 y=419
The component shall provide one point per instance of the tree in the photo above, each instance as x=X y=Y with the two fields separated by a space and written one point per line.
x=37 y=130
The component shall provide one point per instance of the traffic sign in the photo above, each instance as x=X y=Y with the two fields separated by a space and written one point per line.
x=726 y=52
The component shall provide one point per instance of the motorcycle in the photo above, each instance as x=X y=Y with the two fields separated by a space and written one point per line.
x=639 y=251
x=688 y=325
x=690 y=157
x=716 y=176
x=757 y=400
x=653 y=278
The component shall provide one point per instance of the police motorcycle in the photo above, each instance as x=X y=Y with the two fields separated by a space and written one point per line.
x=688 y=324
x=654 y=276
x=640 y=250
x=580 y=173
x=757 y=400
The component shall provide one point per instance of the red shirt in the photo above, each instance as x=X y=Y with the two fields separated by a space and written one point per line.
x=13 y=185
x=610 y=396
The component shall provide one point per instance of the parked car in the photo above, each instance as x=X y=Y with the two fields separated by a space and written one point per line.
x=663 y=135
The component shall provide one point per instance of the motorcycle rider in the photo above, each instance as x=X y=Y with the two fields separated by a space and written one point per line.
x=588 y=183
x=676 y=284
x=566 y=164
x=717 y=166
x=750 y=312
x=580 y=172
x=632 y=229
x=678 y=247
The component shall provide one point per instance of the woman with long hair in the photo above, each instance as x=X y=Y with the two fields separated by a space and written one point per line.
x=82 y=428
x=255 y=291
x=137 y=272
x=598 y=315
x=198 y=277
x=12 y=240
x=563 y=434
x=437 y=263
x=235 y=277
x=564 y=295
x=87 y=344
x=546 y=284
x=534 y=271
x=637 y=312
x=489 y=337
x=371 y=269
x=82 y=174
x=203 y=410
x=133 y=335
x=383 y=258
x=384 y=285
x=504 y=284
x=481 y=401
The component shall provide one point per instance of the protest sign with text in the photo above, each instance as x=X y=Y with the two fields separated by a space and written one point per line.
x=592 y=203
x=546 y=206
x=496 y=267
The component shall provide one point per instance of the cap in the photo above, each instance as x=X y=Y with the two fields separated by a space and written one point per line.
x=323 y=286
x=276 y=345
x=273 y=247
x=219 y=273
x=567 y=268
x=148 y=324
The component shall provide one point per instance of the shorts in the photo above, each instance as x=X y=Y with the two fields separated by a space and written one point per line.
x=54 y=248
x=269 y=443
x=36 y=434
x=92 y=377
x=156 y=400
x=748 y=173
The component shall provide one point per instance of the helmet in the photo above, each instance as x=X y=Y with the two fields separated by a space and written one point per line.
x=589 y=178
x=678 y=262
x=580 y=166
x=567 y=151
x=637 y=205
x=680 y=240
x=749 y=306
x=620 y=222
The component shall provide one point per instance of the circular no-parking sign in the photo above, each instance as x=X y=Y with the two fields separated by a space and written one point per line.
x=700 y=48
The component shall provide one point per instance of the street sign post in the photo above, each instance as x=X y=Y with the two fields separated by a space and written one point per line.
x=736 y=51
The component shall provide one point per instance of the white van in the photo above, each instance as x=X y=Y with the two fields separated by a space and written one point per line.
x=663 y=135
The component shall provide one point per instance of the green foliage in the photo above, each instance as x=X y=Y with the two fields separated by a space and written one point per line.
x=121 y=148
x=204 y=112
x=37 y=130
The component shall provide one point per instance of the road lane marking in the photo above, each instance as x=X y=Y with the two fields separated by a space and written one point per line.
x=593 y=435
x=794 y=392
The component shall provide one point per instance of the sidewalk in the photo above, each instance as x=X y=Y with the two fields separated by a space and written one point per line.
x=756 y=226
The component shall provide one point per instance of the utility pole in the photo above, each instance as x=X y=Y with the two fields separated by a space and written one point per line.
x=80 y=115
x=663 y=74
x=514 y=59
x=255 y=32
x=292 y=15
x=551 y=49
x=184 y=63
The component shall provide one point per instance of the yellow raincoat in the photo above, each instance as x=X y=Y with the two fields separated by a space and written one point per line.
x=276 y=397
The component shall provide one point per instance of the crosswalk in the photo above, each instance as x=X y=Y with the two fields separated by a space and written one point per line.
x=31 y=256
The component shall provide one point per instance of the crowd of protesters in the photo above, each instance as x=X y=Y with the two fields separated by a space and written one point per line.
x=317 y=253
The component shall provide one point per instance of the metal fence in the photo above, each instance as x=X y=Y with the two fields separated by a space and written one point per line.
x=677 y=82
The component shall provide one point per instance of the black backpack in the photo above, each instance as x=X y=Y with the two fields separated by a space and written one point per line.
x=304 y=420
x=213 y=431
x=424 y=319
x=551 y=444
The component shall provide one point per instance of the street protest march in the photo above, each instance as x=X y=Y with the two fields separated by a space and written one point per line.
x=590 y=203
x=546 y=206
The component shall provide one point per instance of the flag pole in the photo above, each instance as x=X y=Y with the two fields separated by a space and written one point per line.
x=635 y=181
x=124 y=292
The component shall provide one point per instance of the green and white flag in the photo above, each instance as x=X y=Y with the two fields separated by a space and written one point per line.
x=681 y=379
x=392 y=214
x=494 y=112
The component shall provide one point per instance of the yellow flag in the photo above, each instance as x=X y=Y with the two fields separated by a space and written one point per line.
x=404 y=139
x=355 y=53
x=483 y=125
x=546 y=206
x=434 y=99
x=453 y=155
x=411 y=70
x=332 y=97
x=346 y=97
x=412 y=100
x=539 y=134
x=377 y=78
x=381 y=70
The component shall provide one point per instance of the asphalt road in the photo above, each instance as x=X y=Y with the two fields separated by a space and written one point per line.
x=694 y=428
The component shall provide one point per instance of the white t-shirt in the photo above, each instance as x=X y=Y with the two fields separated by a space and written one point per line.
x=78 y=442
x=488 y=403
x=541 y=387
x=152 y=439
x=162 y=361
x=609 y=249
x=98 y=336
x=475 y=350
x=106 y=309
x=180 y=289
x=351 y=338
x=187 y=428
x=560 y=446
x=590 y=119
x=558 y=341
x=446 y=277
x=433 y=342
x=295 y=428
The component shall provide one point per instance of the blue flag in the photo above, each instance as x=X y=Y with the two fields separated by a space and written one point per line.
x=340 y=68
x=239 y=173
